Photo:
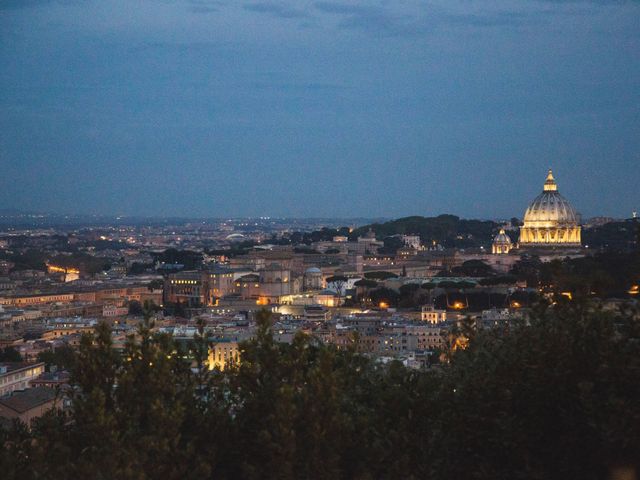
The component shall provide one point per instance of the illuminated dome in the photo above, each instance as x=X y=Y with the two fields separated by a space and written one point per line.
x=550 y=219
x=501 y=243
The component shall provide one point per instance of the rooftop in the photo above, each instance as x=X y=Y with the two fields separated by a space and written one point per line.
x=25 y=400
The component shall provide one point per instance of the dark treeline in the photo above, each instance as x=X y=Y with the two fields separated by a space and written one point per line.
x=624 y=235
x=557 y=398
x=447 y=230
x=604 y=274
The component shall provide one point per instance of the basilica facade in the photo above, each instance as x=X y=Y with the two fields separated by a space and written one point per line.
x=550 y=220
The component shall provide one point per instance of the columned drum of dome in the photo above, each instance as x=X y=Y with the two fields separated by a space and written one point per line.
x=550 y=220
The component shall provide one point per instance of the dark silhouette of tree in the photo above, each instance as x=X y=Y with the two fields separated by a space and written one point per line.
x=10 y=354
x=339 y=281
x=385 y=295
x=63 y=358
x=555 y=396
x=380 y=275
x=135 y=308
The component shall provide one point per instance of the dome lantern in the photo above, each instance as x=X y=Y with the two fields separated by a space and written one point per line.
x=550 y=184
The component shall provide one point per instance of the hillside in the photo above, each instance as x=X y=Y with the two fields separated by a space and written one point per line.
x=447 y=230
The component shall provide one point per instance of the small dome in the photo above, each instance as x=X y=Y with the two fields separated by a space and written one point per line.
x=313 y=270
x=502 y=238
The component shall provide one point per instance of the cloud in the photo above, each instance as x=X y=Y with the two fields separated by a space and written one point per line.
x=343 y=9
x=374 y=20
x=596 y=2
x=383 y=21
x=495 y=19
x=299 y=87
x=205 y=6
x=18 y=4
x=279 y=10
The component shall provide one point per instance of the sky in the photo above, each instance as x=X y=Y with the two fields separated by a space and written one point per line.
x=296 y=108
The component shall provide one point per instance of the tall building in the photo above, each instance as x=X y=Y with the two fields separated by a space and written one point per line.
x=550 y=220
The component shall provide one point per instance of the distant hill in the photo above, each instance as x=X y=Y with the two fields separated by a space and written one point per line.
x=447 y=230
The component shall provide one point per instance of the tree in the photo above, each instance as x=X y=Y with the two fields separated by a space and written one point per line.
x=63 y=358
x=157 y=284
x=429 y=287
x=363 y=286
x=384 y=295
x=567 y=378
x=380 y=275
x=449 y=285
x=464 y=285
x=528 y=269
x=555 y=379
x=473 y=268
x=10 y=354
x=408 y=295
x=366 y=283
x=339 y=282
x=391 y=245
x=135 y=308
x=498 y=280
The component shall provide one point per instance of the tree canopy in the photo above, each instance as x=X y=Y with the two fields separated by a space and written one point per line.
x=380 y=275
x=556 y=397
x=447 y=230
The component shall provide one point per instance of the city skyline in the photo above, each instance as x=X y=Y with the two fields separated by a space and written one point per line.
x=318 y=109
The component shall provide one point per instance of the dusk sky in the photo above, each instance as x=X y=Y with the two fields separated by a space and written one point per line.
x=318 y=108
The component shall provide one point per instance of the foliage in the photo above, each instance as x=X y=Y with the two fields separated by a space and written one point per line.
x=473 y=268
x=366 y=283
x=380 y=275
x=555 y=397
x=621 y=236
x=384 y=295
x=138 y=268
x=157 y=284
x=336 y=279
x=498 y=280
x=604 y=274
x=190 y=260
x=391 y=245
x=325 y=234
x=411 y=296
x=62 y=357
x=447 y=230
x=10 y=354
x=84 y=262
x=31 y=259
x=306 y=250
x=135 y=308
x=528 y=269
